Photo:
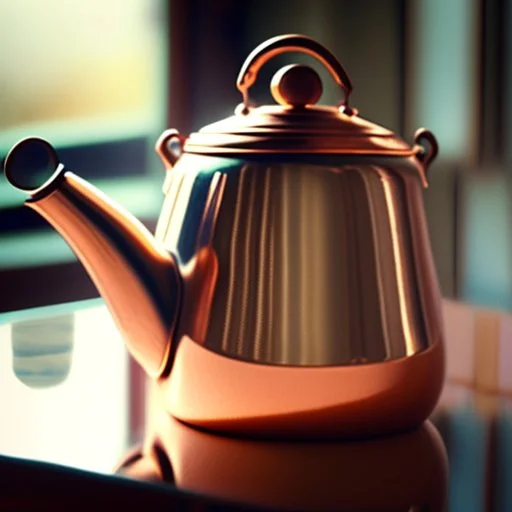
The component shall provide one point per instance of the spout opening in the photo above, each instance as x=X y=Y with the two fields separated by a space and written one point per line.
x=29 y=163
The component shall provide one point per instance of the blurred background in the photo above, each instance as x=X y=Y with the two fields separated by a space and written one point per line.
x=101 y=80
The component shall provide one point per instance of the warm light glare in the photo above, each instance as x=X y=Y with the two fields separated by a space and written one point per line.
x=79 y=60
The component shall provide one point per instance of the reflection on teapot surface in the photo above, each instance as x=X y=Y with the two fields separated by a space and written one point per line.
x=403 y=472
x=303 y=252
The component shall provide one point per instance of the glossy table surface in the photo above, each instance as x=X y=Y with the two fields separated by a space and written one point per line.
x=65 y=399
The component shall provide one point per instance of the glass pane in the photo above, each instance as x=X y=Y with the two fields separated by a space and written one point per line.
x=91 y=77
x=444 y=72
x=486 y=248
x=81 y=70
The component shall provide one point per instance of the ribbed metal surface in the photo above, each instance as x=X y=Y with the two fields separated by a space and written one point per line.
x=314 y=265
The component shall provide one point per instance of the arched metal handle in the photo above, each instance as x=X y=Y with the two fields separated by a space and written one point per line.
x=290 y=43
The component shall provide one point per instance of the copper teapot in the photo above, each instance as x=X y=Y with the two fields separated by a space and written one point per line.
x=289 y=288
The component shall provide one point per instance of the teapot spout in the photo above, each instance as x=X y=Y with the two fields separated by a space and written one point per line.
x=138 y=279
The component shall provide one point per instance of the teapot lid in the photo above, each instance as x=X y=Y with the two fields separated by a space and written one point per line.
x=297 y=125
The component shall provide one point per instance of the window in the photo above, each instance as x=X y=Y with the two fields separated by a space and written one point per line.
x=82 y=72
x=91 y=77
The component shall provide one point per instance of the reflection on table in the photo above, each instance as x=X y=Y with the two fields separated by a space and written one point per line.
x=402 y=472
x=63 y=386
x=64 y=398
x=477 y=430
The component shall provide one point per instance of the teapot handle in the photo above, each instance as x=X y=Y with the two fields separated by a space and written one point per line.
x=291 y=43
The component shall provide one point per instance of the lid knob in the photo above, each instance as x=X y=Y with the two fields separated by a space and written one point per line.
x=296 y=85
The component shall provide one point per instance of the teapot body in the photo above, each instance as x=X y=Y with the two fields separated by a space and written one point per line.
x=318 y=261
x=309 y=295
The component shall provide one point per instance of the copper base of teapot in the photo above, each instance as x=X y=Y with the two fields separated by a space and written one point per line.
x=235 y=397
